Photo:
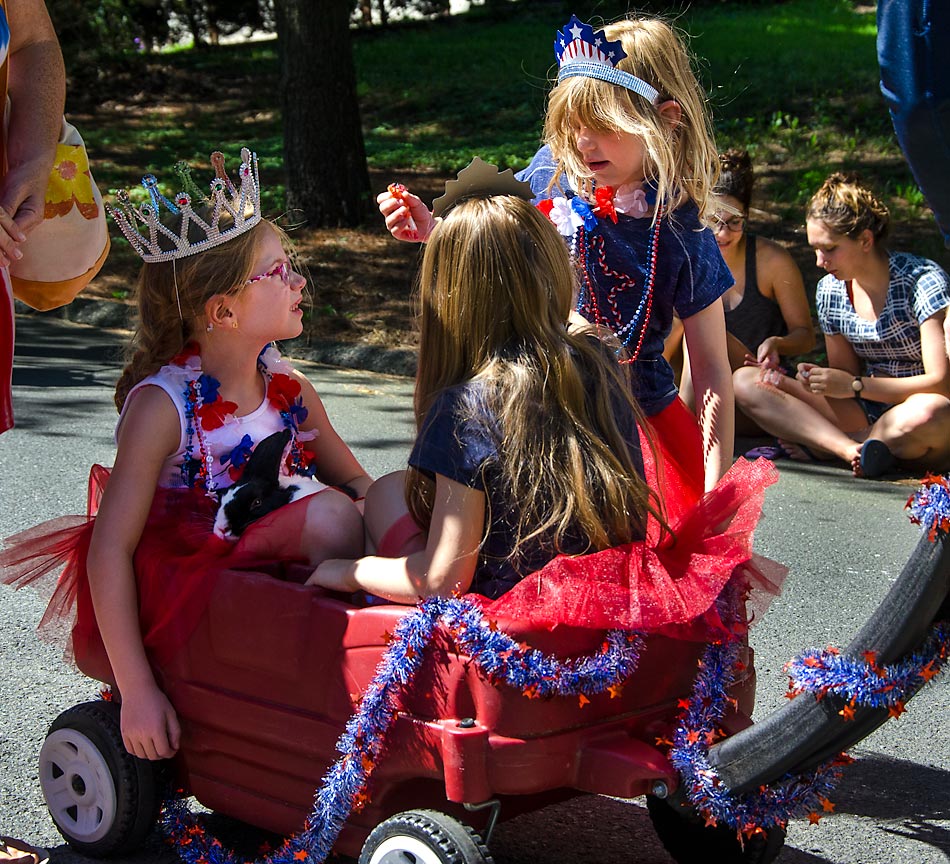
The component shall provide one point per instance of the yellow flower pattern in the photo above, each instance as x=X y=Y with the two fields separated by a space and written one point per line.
x=70 y=183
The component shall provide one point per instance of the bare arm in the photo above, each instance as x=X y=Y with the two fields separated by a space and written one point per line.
x=712 y=384
x=844 y=365
x=150 y=432
x=37 y=87
x=335 y=462
x=783 y=280
x=445 y=566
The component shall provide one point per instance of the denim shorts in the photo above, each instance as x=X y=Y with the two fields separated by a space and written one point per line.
x=873 y=410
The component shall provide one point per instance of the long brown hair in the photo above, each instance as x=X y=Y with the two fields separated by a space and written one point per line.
x=171 y=297
x=495 y=291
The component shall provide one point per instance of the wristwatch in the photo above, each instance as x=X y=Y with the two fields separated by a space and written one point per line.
x=857 y=385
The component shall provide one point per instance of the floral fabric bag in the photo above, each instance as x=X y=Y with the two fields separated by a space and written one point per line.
x=66 y=250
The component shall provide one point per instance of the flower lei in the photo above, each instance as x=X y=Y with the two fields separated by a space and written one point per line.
x=361 y=745
x=574 y=217
x=206 y=411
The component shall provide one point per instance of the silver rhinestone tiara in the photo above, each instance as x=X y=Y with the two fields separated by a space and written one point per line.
x=153 y=241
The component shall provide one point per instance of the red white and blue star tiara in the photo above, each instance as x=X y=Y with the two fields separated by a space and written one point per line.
x=581 y=51
x=241 y=203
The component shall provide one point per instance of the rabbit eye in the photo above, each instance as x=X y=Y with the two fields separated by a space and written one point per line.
x=256 y=504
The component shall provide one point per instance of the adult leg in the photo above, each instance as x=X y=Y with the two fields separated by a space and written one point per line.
x=917 y=431
x=791 y=413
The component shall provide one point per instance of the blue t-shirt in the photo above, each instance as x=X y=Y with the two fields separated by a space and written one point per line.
x=890 y=346
x=460 y=440
x=690 y=275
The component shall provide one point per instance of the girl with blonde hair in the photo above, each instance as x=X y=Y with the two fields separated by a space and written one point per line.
x=626 y=173
x=884 y=396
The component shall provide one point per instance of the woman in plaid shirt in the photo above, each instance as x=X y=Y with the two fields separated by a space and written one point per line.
x=884 y=396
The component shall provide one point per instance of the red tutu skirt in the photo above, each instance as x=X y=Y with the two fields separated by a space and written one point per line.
x=701 y=581
x=177 y=564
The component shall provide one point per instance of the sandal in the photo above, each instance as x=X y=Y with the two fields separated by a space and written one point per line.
x=875 y=458
x=13 y=851
x=767 y=451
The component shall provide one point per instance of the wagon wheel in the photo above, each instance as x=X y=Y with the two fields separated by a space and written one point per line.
x=424 y=837
x=103 y=800
x=688 y=840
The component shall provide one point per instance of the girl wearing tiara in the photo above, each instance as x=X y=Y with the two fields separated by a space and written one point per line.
x=203 y=386
x=626 y=173
x=884 y=396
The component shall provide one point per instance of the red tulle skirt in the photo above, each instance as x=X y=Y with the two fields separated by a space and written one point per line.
x=700 y=581
x=177 y=564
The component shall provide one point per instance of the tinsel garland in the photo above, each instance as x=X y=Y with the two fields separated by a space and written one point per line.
x=345 y=784
x=698 y=728
x=862 y=682
x=930 y=505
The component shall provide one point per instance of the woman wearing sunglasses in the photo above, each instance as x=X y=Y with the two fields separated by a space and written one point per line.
x=767 y=314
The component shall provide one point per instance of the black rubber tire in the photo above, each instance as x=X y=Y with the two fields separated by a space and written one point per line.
x=103 y=800
x=689 y=841
x=805 y=731
x=449 y=841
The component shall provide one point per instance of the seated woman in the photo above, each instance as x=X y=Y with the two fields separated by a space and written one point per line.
x=767 y=314
x=527 y=476
x=884 y=397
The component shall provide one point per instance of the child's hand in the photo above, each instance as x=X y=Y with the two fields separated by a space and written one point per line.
x=149 y=724
x=407 y=218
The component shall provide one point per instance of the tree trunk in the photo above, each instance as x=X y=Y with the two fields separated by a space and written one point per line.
x=324 y=156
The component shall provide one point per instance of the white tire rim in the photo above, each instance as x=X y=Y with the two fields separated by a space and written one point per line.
x=77 y=785
x=404 y=850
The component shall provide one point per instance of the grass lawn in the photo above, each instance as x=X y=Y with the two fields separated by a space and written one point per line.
x=796 y=83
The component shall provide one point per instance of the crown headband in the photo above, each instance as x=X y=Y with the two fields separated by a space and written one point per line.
x=480 y=179
x=581 y=51
x=242 y=203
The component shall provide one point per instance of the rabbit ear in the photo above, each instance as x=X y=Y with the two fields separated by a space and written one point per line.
x=266 y=457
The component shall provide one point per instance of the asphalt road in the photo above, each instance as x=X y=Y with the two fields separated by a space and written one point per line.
x=844 y=541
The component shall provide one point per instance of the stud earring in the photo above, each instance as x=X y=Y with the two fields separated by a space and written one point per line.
x=234 y=325
x=210 y=327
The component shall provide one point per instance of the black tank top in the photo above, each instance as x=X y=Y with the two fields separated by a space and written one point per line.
x=756 y=317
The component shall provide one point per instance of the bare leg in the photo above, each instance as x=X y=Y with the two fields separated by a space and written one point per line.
x=793 y=414
x=917 y=431
x=333 y=528
x=386 y=505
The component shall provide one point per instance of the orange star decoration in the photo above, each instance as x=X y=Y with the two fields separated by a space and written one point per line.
x=814 y=818
x=582 y=700
x=847 y=712
x=896 y=710
x=360 y=800
x=615 y=690
x=710 y=820
x=300 y=856
x=928 y=671
x=826 y=805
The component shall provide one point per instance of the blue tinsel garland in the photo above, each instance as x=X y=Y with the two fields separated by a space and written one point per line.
x=930 y=505
x=865 y=683
x=344 y=786
x=750 y=813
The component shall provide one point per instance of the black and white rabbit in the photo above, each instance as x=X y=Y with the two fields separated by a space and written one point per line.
x=261 y=488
